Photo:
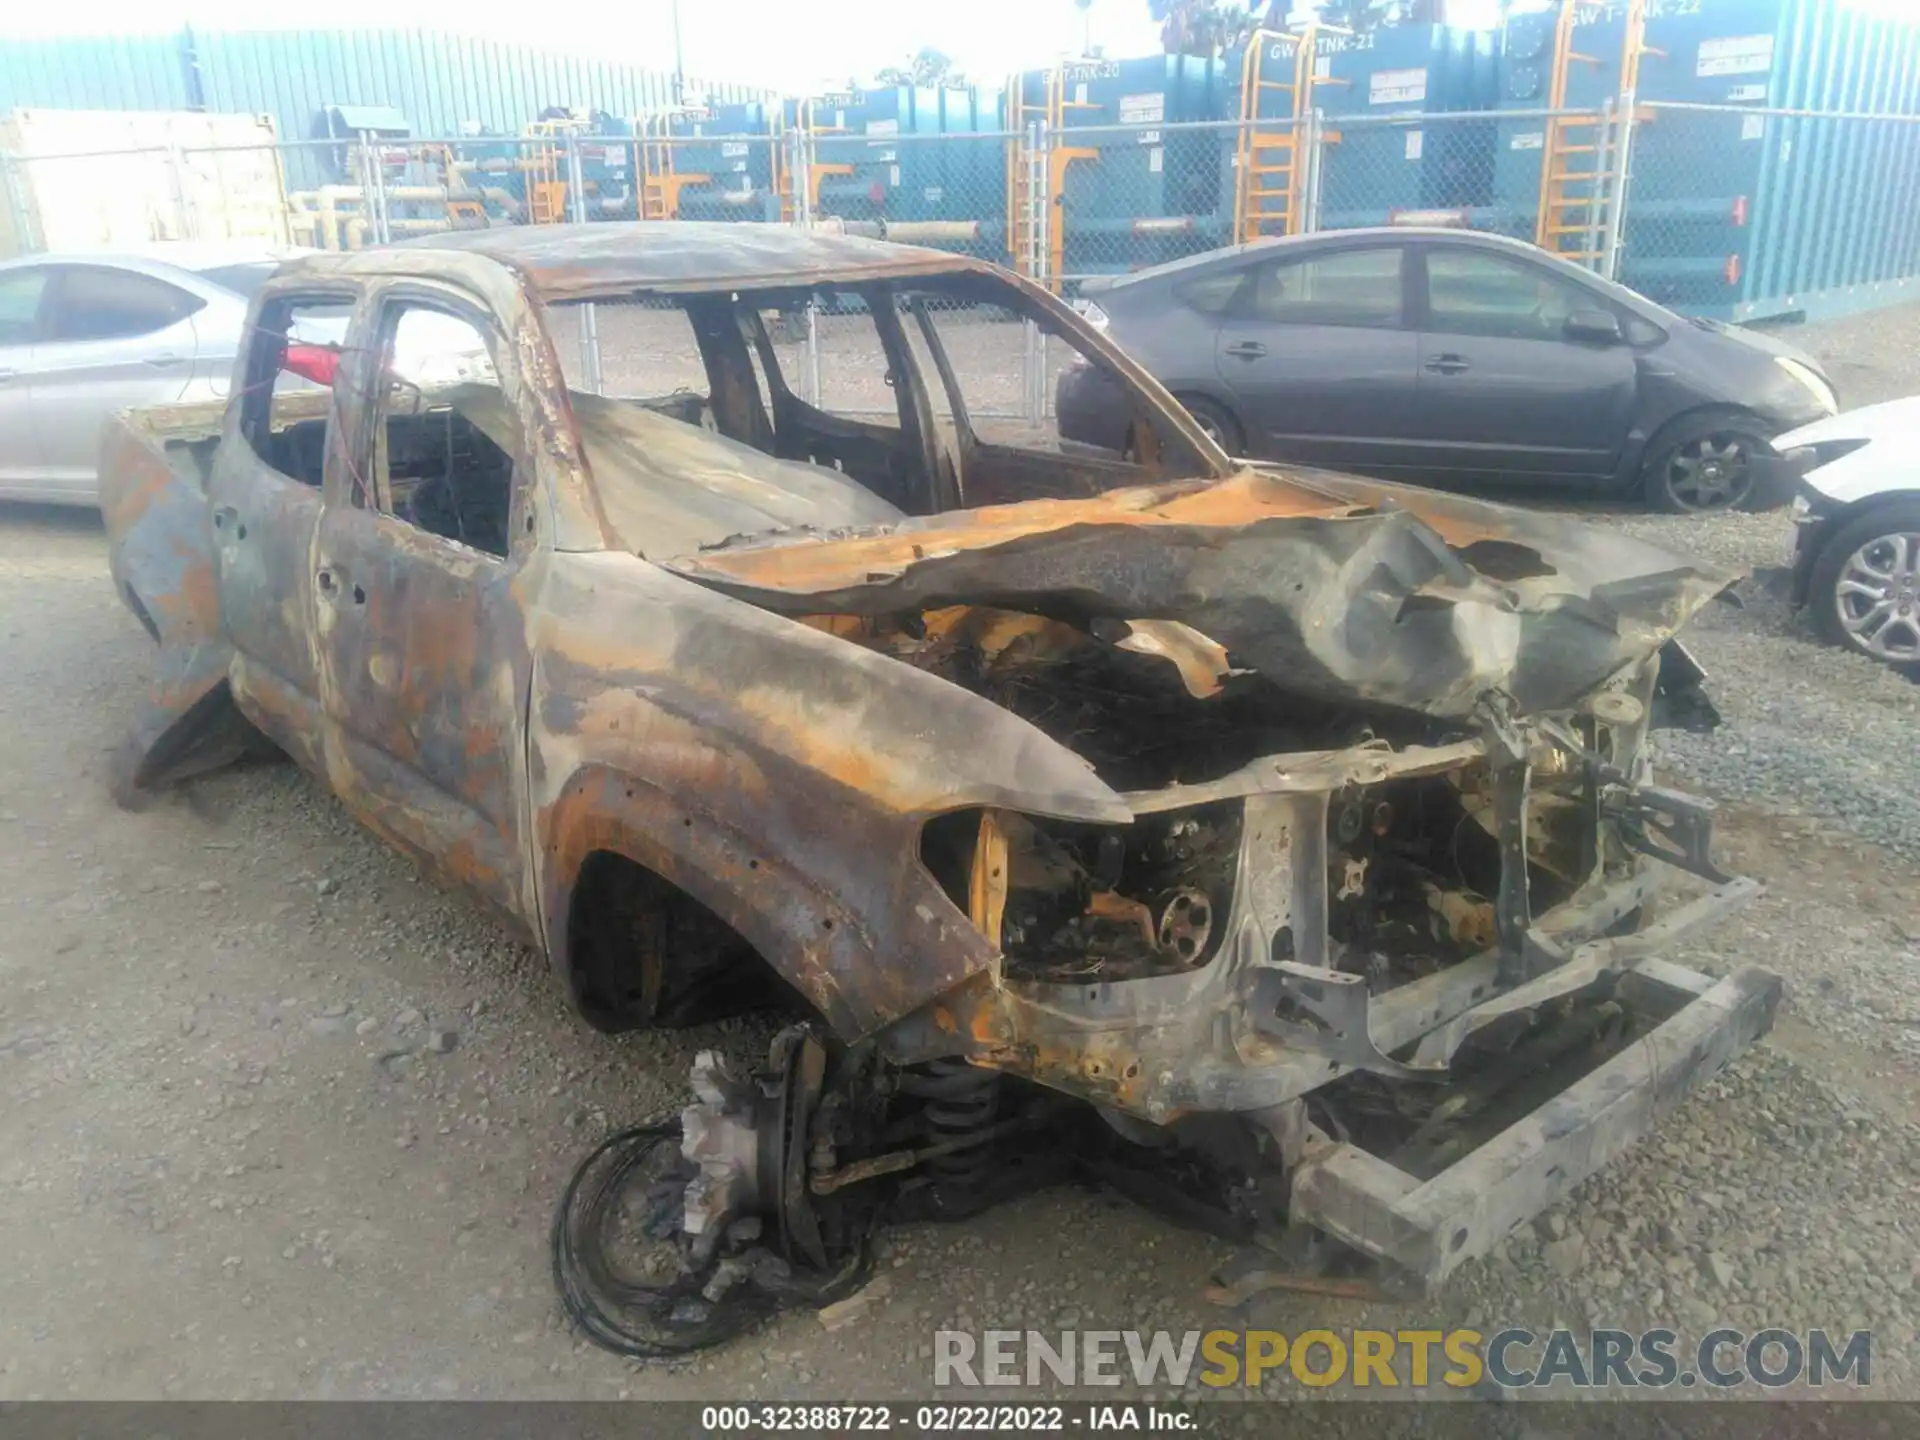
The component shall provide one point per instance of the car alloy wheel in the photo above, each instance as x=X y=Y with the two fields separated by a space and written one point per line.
x=1714 y=472
x=1877 y=597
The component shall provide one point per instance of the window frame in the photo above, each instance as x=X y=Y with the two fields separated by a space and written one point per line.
x=1592 y=299
x=1239 y=282
x=1079 y=338
x=822 y=298
x=254 y=378
x=37 y=323
x=53 y=300
x=376 y=319
x=1240 y=308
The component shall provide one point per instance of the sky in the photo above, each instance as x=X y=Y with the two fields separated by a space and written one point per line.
x=794 y=46
x=797 y=46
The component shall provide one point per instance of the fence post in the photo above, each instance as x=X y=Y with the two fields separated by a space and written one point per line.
x=1599 y=221
x=589 y=320
x=1617 y=183
x=382 y=217
x=1037 y=262
x=363 y=163
x=373 y=190
x=177 y=183
x=1316 y=154
x=800 y=186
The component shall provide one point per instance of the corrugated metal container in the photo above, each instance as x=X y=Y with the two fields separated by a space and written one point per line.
x=445 y=85
x=1140 y=196
x=898 y=169
x=1743 y=216
x=1373 y=171
x=64 y=193
x=131 y=72
x=1527 y=65
x=723 y=159
x=1810 y=172
x=1733 y=213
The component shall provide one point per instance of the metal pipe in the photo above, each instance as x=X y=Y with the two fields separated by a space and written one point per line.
x=589 y=321
x=318 y=212
x=679 y=60
x=1598 y=225
x=369 y=156
x=1618 y=182
x=1039 y=223
x=329 y=223
x=801 y=170
x=1792 y=114
x=177 y=180
x=1316 y=156
x=508 y=202
x=912 y=231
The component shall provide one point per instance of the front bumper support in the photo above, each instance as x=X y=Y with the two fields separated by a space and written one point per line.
x=1430 y=1227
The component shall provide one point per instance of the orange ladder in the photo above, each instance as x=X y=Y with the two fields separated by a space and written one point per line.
x=1022 y=162
x=1582 y=151
x=466 y=210
x=1269 y=176
x=546 y=189
x=816 y=172
x=660 y=180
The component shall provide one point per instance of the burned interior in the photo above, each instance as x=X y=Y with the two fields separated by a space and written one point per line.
x=1279 y=847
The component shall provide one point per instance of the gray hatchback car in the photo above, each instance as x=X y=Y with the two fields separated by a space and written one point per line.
x=1450 y=357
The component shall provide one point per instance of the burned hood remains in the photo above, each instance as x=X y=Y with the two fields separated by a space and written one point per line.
x=1327 y=586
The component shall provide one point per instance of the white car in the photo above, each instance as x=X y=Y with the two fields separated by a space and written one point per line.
x=1856 y=547
x=84 y=334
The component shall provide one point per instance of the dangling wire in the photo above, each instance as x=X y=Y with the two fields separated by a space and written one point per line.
x=614 y=1311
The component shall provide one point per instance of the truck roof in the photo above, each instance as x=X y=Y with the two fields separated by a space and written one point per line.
x=563 y=262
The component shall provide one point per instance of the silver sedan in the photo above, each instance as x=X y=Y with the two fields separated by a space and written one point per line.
x=84 y=335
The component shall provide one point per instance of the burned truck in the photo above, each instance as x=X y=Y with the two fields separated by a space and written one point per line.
x=1276 y=845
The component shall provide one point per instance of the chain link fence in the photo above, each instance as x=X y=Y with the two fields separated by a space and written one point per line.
x=1728 y=212
x=1745 y=214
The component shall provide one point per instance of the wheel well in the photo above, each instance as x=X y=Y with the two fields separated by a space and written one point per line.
x=642 y=952
x=1842 y=517
x=1214 y=402
x=1695 y=418
x=1841 y=532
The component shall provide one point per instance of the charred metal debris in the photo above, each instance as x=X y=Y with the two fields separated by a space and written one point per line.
x=1278 y=847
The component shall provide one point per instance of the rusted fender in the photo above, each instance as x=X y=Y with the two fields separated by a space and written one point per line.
x=160 y=553
x=778 y=775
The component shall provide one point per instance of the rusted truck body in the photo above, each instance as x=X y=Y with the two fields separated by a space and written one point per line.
x=1205 y=794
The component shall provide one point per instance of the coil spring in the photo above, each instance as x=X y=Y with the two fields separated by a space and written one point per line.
x=960 y=1101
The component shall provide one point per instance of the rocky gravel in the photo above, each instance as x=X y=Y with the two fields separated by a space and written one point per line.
x=1777 y=1193
x=279 y=1119
x=1811 y=730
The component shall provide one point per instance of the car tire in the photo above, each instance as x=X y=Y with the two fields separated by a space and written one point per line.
x=1704 y=466
x=1218 y=422
x=1871 y=561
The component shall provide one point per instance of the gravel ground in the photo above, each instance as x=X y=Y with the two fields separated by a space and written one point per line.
x=1811 y=730
x=279 y=1119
